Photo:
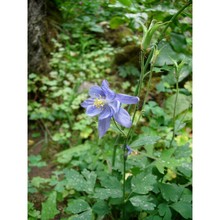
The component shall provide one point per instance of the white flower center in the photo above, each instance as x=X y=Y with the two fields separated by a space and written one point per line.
x=99 y=103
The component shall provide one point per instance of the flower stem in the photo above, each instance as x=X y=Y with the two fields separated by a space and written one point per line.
x=124 y=172
x=137 y=92
x=174 y=111
x=148 y=86
x=119 y=128
x=139 y=87
x=116 y=141
x=114 y=151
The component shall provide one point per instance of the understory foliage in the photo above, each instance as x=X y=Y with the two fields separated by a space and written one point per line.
x=74 y=174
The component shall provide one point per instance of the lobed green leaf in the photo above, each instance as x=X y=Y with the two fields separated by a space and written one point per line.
x=170 y=192
x=184 y=208
x=143 y=183
x=142 y=202
x=49 y=209
x=101 y=208
x=77 y=205
x=144 y=140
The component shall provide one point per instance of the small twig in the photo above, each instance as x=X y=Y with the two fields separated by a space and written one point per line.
x=46 y=129
x=39 y=142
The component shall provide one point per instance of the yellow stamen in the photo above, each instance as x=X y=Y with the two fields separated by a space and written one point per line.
x=98 y=103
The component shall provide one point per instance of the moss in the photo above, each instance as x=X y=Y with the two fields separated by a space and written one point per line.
x=129 y=55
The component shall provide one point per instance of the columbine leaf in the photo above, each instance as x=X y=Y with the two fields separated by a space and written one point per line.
x=184 y=208
x=112 y=188
x=178 y=42
x=167 y=160
x=143 y=183
x=166 y=54
x=91 y=179
x=38 y=181
x=183 y=103
x=101 y=193
x=35 y=161
x=110 y=182
x=164 y=211
x=142 y=202
x=66 y=155
x=77 y=205
x=49 y=209
x=76 y=181
x=33 y=214
x=138 y=162
x=101 y=208
x=144 y=140
x=87 y=215
x=186 y=196
x=183 y=151
x=170 y=192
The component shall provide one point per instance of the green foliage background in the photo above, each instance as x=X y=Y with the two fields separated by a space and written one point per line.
x=70 y=170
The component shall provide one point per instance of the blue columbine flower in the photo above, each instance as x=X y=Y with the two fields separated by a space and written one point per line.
x=107 y=104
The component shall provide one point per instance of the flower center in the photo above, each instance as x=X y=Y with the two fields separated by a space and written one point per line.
x=98 y=103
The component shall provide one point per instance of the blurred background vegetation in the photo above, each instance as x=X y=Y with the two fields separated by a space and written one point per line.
x=74 y=44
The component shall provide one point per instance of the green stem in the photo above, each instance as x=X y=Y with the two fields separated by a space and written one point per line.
x=147 y=92
x=146 y=95
x=148 y=87
x=137 y=93
x=142 y=73
x=174 y=111
x=148 y=60
x=142 y=76
x=115 y=145
x=126 y=137
x=124 y=172
x=114 y=151
x=139 y=88
x=119 y=128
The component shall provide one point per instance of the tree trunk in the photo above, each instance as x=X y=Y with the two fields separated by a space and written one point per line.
x=43 y=20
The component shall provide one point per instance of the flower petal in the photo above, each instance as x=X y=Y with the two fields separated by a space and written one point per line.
x=91 y=110
x=96 y=92
x=115 y=105
x=127 y=99
x=105 y=83
x=87 y=102
x=109 y=94
x=107 y=112
x=103 y=126
x=123 y=118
